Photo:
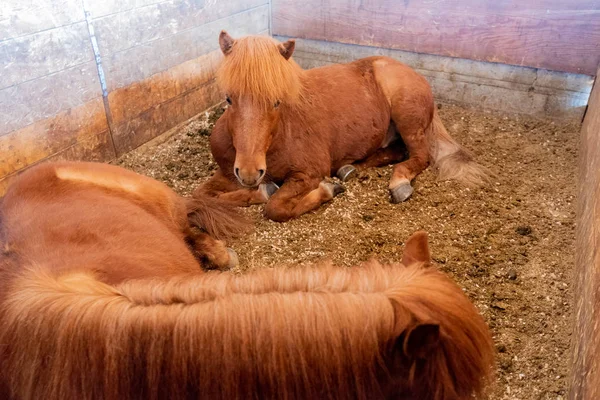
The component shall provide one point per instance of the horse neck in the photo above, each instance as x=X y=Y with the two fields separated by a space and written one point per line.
x=294 y=117
x=305 y=107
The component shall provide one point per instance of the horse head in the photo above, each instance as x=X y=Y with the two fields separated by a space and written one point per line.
x=259 y=79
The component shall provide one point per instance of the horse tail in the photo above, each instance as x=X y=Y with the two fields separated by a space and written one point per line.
x=218 y=218
x=451 y=160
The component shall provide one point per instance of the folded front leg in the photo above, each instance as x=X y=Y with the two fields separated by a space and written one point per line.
x=223 y=188
x=300 y=194
x=213 y=251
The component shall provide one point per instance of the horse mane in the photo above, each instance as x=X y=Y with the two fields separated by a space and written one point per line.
x=256 y=68
x=322 y=332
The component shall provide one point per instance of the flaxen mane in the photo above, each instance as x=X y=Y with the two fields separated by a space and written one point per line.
x=312 y=333
x=256 y=68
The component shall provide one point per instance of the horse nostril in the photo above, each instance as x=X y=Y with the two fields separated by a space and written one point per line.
x=237 y=172
x=261 y=173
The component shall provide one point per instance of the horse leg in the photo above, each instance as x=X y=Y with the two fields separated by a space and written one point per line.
x=223 y=188
x=214 y=251
x=299 y=195
x=393 y=153
x=406 y=171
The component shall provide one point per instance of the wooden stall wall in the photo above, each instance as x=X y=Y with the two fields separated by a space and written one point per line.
x=50 y=100
x=469 y=50
x=585 y=375
x=551 y=34
x=157 y=57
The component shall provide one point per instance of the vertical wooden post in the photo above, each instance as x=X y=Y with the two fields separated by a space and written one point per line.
x=585 y=372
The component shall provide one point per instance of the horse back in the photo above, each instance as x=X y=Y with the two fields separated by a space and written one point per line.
x=74 y=216
x=390 y=77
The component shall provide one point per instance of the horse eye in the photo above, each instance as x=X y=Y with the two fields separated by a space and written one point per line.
x=229 y=100
x=277 y=103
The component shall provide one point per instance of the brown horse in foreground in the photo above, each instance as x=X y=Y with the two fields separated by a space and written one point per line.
x=67 y=216
x=401 y=331
x=292 y=127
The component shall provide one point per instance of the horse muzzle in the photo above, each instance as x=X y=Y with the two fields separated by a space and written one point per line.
x=249 y=177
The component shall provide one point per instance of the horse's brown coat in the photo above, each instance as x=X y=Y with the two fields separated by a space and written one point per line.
x=370 y=332
x=109 y=220
x=297 y=127
x=101 y=299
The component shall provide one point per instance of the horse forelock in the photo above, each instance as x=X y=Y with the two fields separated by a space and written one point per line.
x=256 y=68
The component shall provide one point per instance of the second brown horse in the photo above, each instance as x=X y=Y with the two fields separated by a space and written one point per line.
x=295 y=128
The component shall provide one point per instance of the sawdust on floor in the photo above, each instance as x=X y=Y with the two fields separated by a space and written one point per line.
x=510 y=246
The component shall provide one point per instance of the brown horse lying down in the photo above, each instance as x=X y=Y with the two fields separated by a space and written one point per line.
x=402 y=331
x=68 y=215
x=285 y=125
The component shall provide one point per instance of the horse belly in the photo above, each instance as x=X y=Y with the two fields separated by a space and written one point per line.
x=358 y=109
x=359 y=138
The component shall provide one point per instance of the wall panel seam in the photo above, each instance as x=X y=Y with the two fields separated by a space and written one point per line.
x=101 y=77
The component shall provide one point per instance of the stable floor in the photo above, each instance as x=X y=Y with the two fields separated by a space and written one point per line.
x=510 y=246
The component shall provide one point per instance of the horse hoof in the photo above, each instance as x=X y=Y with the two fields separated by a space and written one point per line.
x=333 y=188
x=234 y=261
x=401 y=192
x=268 y=189
x=346 y=172
x=338 y=188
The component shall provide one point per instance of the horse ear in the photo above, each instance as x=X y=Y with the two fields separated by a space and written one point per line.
x=287 y=49
x=226 y=42
x=416 y=249
x=421 y=340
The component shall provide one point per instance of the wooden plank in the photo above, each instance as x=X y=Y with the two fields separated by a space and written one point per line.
x=24 y=17
x=334 y=52
x=499 y=87
x=45 y=97
x=84 y=125
x=43 y=53
x=80 y=151
x=129 y=102
x=162 y=117
x=141 y=25
x=585 y=375
x=51 y=108
x=126 y=67
x=106 y=7
x=549 y=34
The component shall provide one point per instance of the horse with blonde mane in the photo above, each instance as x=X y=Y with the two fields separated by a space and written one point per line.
x=400 y=331
x=295 y=128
